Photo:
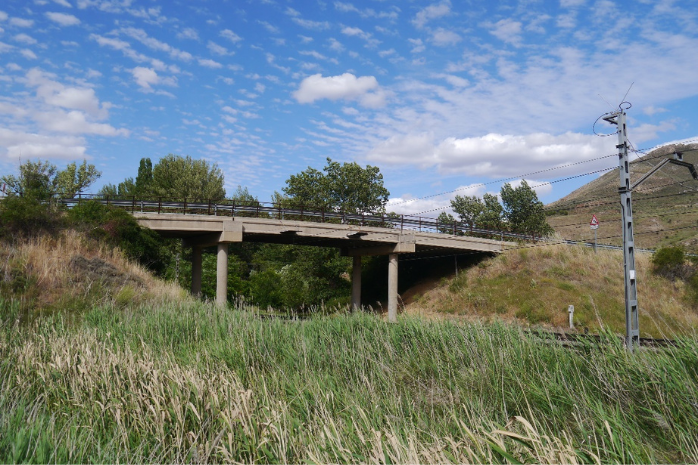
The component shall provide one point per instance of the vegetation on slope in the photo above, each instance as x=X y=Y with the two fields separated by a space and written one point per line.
x=535 y=285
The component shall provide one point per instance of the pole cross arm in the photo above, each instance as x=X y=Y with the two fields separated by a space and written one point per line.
x=677 y=160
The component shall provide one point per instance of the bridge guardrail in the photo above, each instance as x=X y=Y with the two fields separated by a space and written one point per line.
x=234 y=208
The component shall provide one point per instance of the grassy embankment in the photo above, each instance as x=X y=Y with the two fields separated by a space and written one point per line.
x=158 y=377
x=536 y=285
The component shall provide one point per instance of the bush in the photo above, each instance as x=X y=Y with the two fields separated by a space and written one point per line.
x=670 y=262
x=26 y=217
x=120 y=228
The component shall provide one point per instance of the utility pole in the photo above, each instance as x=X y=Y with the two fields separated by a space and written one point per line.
x=632 y=324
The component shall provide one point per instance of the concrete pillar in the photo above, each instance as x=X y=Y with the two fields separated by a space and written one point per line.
x=196 y=271
x=392 y=288
x=222 y=275
x=356 y=284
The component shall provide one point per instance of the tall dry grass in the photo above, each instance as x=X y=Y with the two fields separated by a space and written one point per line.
x=189 y=382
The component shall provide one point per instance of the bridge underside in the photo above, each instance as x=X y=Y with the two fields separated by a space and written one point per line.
x=352 y=239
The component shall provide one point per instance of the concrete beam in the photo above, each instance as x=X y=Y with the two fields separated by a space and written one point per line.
x=356 y=284
x=222 y=275
x=392 y=288
x=196 y=271
x=406 y=244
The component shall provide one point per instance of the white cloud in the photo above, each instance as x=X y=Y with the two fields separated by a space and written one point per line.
x=3 y=16
x=154 y=44
x=434 y=11
x=417 y=45
x=335 y=45
x=28 y=54
x=652 y=110
x=56 y=94
x=145 y=77
x=443 y=37
x=217 y=49
x=188 y=33
x=231 y=36
x=18 y=144
x=75 y=122
x=210 y=63
x=63 y=19
x=25 y=39
x=63 y=3
x=19 y=22
x=507 y=30
x=417 y=149
x=345 y=87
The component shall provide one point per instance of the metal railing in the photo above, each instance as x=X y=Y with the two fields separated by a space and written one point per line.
x=235 y=208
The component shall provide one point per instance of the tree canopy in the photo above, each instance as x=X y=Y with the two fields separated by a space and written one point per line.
x=343 y=187
x=520 y=211
x=42 y=179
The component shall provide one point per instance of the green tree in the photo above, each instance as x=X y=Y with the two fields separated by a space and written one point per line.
x=36 y=180
x=75 y=179
x=445 y=222
x=492 y=213
x=469 y=208
x=342 y=187
x=178 y=177
x=523 y=211
x=144 y=180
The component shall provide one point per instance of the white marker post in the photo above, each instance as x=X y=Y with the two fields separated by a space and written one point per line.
x=595 y=226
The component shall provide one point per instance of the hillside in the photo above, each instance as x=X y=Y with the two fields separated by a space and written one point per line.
x=664 y=206
x=535 y=286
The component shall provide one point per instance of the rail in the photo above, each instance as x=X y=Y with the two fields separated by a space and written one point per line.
x=234 y=208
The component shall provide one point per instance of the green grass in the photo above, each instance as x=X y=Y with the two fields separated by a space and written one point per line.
x=191 y=382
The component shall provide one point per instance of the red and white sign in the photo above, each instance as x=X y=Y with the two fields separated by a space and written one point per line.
x=594 y=222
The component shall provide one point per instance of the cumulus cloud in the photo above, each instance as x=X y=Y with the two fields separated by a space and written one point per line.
x=443 y=37
x=75 y=122
x=342 y=87
x=494 y=155
x=154 y=44
x=188 y=33
x=54 y=93
x=210 y=63
x=145 y=77
x=20 y=22
x=230 y=35
x=434 y=11
x=25 y=39
x=63 y=19
x=507 y=30
x=15 y=144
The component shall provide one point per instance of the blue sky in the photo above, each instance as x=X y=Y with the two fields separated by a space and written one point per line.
x=441 y=95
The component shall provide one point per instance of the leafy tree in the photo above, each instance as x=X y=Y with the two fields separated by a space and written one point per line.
x=469 y=208
x=36 y=180
x=492 y=212
x=523 y=211
x=75 y=179
x=178 y=177
x=445 y=222
x=144 y=180
x=342 y=187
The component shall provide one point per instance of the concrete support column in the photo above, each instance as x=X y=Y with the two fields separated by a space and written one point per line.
x=222 y=275
x=196 y=271
x=392 y=288
x=356 y=284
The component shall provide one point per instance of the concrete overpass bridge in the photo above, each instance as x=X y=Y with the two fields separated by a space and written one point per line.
x=206 y=224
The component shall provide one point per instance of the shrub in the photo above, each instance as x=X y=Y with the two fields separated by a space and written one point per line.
x=26 y=216
x=670 y=262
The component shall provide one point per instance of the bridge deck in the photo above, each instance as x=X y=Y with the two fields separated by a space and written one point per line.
x=204 y=230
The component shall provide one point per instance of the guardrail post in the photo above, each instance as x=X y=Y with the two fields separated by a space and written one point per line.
x=402 y=222
x=133 y=204
x=232 y=209
x=301 y=212
x=79 y=198
x=209 y=207
x=159 y=204
x=420 y=224
x=454 y=228
x=279 y=210
x=322 y=214
x=257 y=209
x=185 y=205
